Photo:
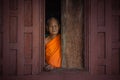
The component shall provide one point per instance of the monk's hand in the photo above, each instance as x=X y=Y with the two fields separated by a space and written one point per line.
x=48 y=67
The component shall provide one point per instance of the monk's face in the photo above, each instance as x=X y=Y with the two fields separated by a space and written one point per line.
x=53 y=27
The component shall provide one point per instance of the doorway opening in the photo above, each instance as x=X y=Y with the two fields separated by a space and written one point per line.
x=52 y=9
x=52 y=34
x=76 y=31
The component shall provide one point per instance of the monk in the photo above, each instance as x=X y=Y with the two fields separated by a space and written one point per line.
x=53 y=45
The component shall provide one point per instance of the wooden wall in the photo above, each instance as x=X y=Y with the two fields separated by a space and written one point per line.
x=99 y=39
x=1 y=36
x=104 y=37
x=22 y=38
x=115 y=36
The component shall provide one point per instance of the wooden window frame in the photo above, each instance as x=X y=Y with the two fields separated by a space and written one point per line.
x=86 y=36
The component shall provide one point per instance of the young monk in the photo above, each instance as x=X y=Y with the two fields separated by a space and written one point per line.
x=53 y=45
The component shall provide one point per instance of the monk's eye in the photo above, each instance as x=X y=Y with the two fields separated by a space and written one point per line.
x=56 y=26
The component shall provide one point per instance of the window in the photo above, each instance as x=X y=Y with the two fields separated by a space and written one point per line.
x=70 y=16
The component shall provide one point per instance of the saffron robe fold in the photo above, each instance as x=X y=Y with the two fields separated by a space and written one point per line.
x=53 y=52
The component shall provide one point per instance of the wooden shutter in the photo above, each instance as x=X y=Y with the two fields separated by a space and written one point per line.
x=104 y=37
x=98 y=37
x=23 y=38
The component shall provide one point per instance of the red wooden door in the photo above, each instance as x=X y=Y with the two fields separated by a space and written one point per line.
x=22 y=37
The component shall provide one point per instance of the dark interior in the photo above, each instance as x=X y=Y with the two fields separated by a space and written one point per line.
x=53 y=9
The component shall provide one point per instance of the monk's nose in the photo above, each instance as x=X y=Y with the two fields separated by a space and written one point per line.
x=54 y=28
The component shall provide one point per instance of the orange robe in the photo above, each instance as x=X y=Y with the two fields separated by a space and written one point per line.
x=53 y=52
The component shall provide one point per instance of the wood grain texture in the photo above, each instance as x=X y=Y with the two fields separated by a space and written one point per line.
x=1 y=14
x=109 y=26
x=42 y=34
x=1 y=37
x=13 y=62
x=1 y=53
x=115 y=5
x=73 y=32
x=6 y=37
x=28 y=54
x=13 y=29
x=27 y=69
x=28 y=14
x=115 y=37
x=115 y=61
x=20 y=56
x=1 y=46
x=93 y=38
x=101 y=62
x=28 y=43
x=101 y=12
x=101 y=45
x=38 y=36
x=13 y=4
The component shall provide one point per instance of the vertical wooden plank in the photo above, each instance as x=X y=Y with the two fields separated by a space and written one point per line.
x=115 y=61
x=42 y=34
x=13 y=29
x=1 y=53
x=101 y=55
x=1 y=37
x=28 y=35
x=20 y=56
x=101 y=12
x=1 y=33
x=86 y=33
x=13 y=33
x=1 y=70
x=108 y=21
x=1 y=13
x=27 y=69
x=13 y=4
x=115 y=29
x=28 y=13
x=12 y=62
x=38 y=26
x=115 y=5
x=101 y=45
x=1 y=46
x=93 y=38
x=28 y=54
x=101 y=69
x=28 y=42
x=6 y=37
